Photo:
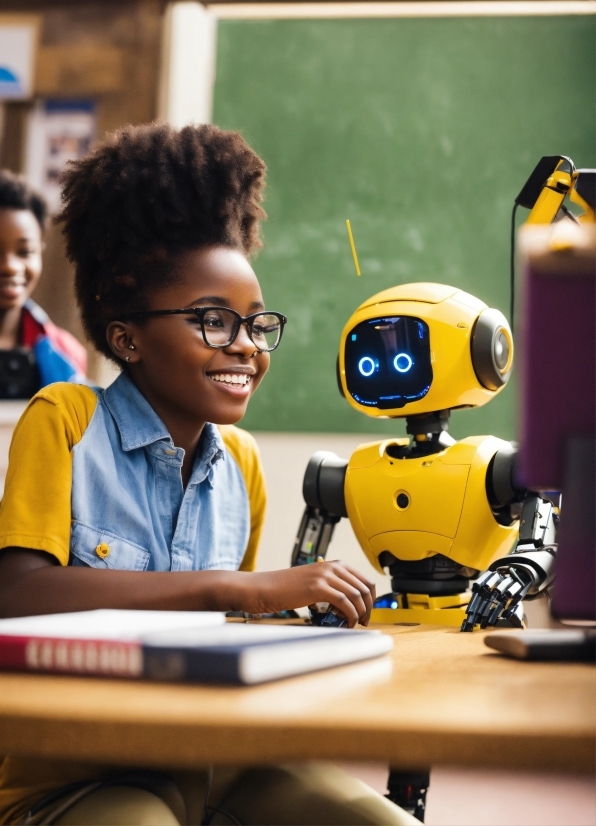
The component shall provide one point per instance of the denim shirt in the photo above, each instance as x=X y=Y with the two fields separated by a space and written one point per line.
x=127 y=493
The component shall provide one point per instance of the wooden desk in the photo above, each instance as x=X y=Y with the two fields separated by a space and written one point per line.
x=442 y=697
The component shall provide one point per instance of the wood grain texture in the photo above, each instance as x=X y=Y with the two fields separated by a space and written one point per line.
x=440 y=698
x=86 y=69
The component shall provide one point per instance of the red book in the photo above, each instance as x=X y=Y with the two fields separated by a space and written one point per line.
x=104 y=642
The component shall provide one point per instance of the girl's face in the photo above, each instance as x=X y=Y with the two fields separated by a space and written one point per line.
x=171 y=364
x=20 y=257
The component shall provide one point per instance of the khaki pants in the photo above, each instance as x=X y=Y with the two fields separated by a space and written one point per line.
x=316 y=793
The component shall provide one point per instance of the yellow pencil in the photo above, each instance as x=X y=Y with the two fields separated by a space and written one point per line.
x=351 y=237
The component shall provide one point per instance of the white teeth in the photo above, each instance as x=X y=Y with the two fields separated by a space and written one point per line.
x=231 y=378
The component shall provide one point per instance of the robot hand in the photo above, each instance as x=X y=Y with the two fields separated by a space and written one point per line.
x=498 y=593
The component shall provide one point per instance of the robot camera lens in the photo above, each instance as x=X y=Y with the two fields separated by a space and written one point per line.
x=501 y=350
x=367 y=366
x=402 y=362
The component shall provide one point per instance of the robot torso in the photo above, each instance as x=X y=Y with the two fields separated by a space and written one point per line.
x=418 y=507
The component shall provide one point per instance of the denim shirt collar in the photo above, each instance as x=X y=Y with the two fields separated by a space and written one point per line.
x=140 y=426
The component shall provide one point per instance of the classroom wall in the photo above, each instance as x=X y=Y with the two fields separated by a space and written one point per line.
x=422 y=132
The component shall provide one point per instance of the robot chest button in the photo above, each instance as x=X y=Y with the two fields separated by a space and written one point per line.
x=402 y=500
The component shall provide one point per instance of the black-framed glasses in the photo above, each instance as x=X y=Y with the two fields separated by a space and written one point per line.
x=220 y=325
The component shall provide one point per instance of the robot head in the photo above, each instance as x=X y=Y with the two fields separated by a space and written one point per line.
x=420 y=348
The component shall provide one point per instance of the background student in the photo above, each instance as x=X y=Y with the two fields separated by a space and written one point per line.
x=34 y=352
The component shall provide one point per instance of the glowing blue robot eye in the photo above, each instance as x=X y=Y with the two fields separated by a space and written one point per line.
x=367 y=366
x=402 y=362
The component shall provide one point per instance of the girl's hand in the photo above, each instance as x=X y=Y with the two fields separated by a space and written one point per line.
x=347 y=590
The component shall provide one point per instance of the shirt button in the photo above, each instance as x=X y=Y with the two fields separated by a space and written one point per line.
x=102 y=550
x=170 y=451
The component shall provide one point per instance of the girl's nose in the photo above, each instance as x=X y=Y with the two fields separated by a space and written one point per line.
x=243 y=344
x=10 y=264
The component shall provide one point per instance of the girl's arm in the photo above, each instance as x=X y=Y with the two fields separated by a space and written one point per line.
x=33 y=582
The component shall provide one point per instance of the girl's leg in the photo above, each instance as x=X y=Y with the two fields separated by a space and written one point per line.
x=118 y=805
x=314 y=794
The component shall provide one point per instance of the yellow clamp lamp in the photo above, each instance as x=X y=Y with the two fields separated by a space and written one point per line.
x=553 y=178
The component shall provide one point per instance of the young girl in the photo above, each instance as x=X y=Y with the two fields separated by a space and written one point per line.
x=45 y=352
x=145 y=495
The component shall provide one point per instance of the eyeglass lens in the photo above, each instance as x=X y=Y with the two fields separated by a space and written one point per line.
x=221 y=328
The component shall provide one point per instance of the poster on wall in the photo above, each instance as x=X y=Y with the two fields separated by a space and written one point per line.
x=59 y=131
x=18 y=44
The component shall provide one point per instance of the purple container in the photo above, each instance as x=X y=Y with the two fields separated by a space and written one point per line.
x=557 y=393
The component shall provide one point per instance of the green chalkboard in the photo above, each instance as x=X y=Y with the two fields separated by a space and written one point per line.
x=421 y=131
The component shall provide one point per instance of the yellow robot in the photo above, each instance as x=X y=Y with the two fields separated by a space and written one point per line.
x=434 y=512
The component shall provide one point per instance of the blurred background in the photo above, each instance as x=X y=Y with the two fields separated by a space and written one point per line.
x=418 y=121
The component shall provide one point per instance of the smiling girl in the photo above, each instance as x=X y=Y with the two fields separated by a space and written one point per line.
x=47 y=353
x=145 y=495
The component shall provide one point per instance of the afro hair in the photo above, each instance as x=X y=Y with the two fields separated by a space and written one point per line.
x=15 y=193
x=142 y=197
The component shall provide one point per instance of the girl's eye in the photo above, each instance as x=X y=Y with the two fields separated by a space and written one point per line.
x=25 y=253
x=212 y=321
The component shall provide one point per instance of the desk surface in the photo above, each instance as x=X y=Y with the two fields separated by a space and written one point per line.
x=442 y=697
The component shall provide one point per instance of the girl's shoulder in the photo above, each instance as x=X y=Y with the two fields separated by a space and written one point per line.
x=79 y=398
x=73 y=405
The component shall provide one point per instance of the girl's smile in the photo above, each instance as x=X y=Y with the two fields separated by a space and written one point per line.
x=236 y=380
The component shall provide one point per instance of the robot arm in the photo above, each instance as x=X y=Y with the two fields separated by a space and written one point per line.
x=323 y=491
x=529 y=569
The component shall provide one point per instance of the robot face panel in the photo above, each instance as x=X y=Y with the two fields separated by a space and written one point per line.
x=388 y=361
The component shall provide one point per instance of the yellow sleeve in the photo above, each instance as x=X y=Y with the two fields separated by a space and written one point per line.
x=36 y=508
x=243 y=448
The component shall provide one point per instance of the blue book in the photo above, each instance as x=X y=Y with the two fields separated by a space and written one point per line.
x=248 y=654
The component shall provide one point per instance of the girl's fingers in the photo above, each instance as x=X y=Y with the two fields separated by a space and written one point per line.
x=363 y=590
x=357 y=579
x=351 y=595
x=366 y=582
x=342 y=603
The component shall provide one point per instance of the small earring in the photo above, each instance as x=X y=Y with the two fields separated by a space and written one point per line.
x=127 y=358
x=131 y=347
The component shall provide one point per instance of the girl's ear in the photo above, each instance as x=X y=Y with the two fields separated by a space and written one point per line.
x=119 y=336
